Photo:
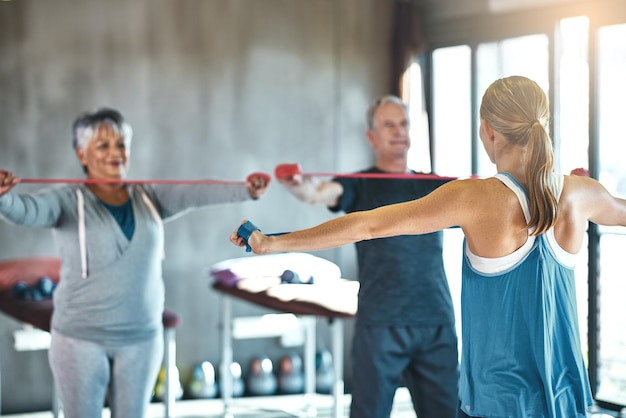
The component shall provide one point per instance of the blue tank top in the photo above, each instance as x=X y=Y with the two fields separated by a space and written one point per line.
x=521 y=353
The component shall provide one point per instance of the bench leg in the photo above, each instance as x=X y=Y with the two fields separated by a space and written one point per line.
x=226 y=377
x=56 y=401
x=309 y=365
x=337 y=351
x=169 y=363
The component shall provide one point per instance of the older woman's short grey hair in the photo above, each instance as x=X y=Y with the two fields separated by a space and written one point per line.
x=86 y=124
x=381 y=101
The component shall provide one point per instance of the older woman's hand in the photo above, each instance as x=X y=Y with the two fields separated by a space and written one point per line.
x=257 y=184
x=7 y=181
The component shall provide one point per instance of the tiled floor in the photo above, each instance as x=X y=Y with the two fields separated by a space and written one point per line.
x=320 y=406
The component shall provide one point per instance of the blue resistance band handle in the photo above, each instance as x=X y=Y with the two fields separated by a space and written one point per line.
x=246 y=229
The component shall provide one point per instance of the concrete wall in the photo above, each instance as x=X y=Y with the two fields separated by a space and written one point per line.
x=214 y=89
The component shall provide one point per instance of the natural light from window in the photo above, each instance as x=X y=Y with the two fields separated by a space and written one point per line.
x=413 y=94
x=611 y=68
x=452 y=125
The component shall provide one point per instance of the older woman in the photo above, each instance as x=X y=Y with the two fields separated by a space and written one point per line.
x=106 y=326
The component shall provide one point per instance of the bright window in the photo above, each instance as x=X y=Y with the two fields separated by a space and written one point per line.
x=452 y=125
x=451 y=112
x=526 y=56
x=611 y=67
x=572 y=130
x=452 y=132
x=413 y=94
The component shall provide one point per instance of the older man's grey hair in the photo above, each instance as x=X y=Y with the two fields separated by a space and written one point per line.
x=381 y=101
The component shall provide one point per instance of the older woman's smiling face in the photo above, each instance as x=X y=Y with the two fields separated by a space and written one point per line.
x=106 y=155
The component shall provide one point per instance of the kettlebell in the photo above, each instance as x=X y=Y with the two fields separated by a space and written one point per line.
x=203 y=384
x=324 y=373
x=159 y=388
x=261 y=380
x=290 y=374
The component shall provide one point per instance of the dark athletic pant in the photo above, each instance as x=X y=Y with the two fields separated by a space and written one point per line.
x=425 y=359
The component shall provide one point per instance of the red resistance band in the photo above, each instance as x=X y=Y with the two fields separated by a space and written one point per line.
x=285 y=171
x=105 y=181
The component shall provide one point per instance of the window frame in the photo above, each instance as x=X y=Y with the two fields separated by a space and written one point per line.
x=475 y=30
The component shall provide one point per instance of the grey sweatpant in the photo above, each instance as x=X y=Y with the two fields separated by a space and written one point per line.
x=83 y=372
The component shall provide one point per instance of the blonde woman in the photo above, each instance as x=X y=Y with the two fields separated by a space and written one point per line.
x=521 y=353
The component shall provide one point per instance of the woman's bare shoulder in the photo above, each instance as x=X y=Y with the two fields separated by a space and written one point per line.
x=477 y=187
x=472 y=199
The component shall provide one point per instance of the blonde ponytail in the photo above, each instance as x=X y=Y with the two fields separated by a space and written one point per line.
x=517 y=108
x=539 y=162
